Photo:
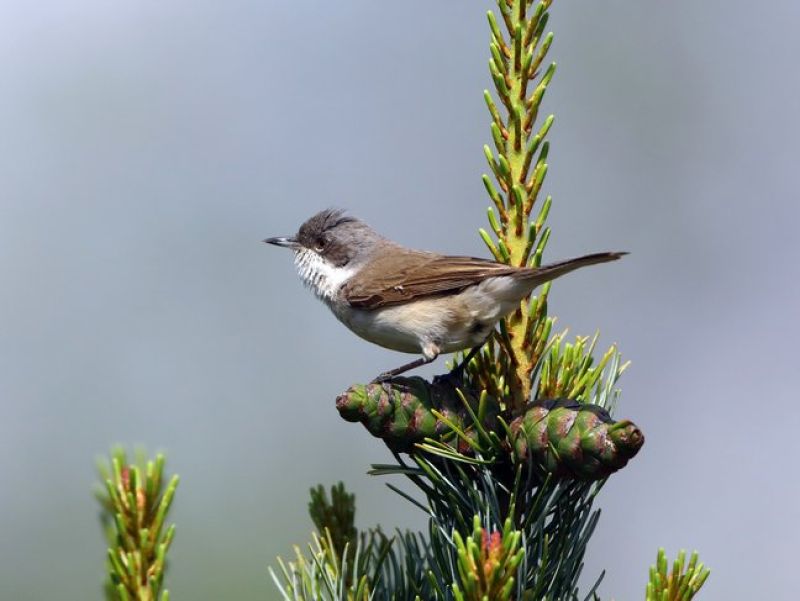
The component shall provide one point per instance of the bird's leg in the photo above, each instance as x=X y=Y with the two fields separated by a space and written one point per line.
x=388 y=375
x=429 y=351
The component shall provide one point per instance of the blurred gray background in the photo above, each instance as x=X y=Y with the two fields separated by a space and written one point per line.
x=147 y=147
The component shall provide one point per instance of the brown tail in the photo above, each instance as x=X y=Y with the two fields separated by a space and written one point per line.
x=540 y=275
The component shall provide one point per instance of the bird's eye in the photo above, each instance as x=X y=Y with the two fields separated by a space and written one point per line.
x=321 y=244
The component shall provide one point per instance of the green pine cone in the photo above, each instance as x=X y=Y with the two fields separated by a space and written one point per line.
x=574 y=440
x=399 y=411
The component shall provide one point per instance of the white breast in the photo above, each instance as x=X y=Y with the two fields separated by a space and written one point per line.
x=321 y=277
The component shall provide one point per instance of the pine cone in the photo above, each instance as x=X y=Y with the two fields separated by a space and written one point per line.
x=399 y=411
x=576 y=440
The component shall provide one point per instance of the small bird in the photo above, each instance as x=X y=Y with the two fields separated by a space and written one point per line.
x=410 y=300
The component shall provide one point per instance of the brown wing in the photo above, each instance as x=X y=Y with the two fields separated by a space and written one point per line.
x=398 y=277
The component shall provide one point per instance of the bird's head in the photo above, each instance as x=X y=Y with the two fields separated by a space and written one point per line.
x=329 y=247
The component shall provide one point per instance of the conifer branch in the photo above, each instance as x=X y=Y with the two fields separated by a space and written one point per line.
x=681 y=583
x=368 y=567
x=487 y=563
x=336 y=516
x=135 y=501
x=519 y=168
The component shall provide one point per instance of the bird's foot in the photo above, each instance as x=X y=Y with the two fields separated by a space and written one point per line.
x=391 y=383
x=383 y=378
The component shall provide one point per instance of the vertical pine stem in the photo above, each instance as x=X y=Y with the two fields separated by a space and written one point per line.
x=519 y=166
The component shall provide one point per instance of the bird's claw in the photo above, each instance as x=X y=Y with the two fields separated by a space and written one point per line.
x=383 y=378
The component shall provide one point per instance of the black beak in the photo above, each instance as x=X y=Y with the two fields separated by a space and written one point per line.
x=281 y=241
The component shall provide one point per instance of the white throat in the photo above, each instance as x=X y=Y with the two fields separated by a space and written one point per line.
x=321 y=277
